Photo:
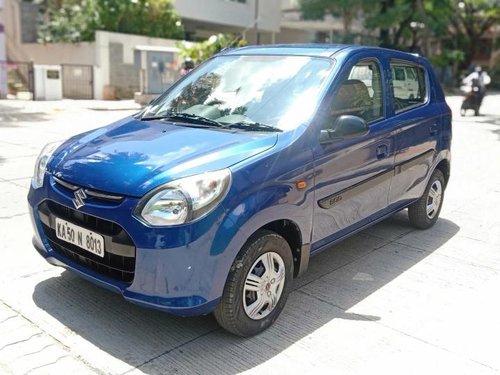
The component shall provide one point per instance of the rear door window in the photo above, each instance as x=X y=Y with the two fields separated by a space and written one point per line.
x=409 y=85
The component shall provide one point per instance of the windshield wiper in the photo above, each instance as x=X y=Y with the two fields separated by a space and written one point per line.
x=200 y=120
x=254 y=126
x=187 y=117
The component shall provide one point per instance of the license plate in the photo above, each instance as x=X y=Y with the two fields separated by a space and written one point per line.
x=80 y=237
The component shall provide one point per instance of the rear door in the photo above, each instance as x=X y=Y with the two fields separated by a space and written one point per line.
x=416 y=121
x=352 y=176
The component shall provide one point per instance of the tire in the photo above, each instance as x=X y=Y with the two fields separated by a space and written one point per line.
x=235 y=312
x=424 y=213
x=463 y=108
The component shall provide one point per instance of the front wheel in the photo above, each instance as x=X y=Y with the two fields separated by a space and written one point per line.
x=424 y=213
x=257 y=286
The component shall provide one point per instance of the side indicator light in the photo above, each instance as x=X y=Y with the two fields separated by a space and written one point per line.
x=301 y=184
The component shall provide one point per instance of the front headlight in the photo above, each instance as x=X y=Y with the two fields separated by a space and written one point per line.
x=41 y=163
x=184 y=200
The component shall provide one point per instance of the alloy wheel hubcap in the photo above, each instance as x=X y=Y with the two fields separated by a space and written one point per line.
x=434 y=199
x=263 y=285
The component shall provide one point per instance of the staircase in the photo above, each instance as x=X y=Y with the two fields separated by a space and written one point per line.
x=19 y=70
x=18 y=78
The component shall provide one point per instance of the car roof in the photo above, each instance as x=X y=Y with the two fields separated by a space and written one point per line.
x=312 y=49
x=321 y=50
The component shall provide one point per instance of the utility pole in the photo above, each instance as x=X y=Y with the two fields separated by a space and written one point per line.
x=256 y=22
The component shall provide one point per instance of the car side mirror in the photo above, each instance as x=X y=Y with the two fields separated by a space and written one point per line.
x=344 y=127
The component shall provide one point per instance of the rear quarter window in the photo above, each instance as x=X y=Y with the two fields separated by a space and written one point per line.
x=409 y=85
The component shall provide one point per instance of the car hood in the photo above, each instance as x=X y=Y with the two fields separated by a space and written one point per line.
x=132 y=157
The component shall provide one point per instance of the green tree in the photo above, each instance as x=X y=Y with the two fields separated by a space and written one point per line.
x=199 y=52
x=393 y=18
x=471 y=19
x=67 y=20
x=402 y=23
x=77 y=20
x=154 y=18
x=347 y=10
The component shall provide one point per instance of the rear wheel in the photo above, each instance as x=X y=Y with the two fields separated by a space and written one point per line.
x=257 y=286
x=425 y=212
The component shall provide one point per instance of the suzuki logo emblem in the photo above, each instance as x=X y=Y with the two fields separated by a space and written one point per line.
x=79 y=200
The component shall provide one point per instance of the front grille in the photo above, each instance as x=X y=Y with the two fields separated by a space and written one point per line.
x=93 y=194
x=119 y=258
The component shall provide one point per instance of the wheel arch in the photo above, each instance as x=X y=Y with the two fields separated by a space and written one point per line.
x=444 y=167
x=290 y=231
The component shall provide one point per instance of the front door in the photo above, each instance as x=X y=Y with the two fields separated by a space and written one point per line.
x=352 y=175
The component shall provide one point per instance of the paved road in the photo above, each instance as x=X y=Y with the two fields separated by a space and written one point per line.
x=390 y=300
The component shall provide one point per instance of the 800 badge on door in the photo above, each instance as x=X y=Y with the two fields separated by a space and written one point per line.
x=80 y=237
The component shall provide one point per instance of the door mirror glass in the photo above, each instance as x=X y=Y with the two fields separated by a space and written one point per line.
x=344 y=127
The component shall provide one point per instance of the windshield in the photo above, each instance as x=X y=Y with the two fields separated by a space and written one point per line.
x=273 y=91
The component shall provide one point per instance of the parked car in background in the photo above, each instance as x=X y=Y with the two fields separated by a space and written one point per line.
x=405 y=80
x=214 y=197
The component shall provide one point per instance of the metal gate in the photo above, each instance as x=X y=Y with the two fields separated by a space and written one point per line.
x=78 y=81
x=19 y=77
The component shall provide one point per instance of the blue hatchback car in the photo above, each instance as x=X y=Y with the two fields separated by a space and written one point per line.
x=215 y=196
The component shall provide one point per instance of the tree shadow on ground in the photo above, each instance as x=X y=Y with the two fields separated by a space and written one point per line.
x=492 y=120
x=482 y=119
x=9 y=120
x=13 y=116
x=155 y=342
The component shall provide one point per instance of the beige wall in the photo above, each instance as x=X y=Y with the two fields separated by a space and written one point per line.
x=129 y=43
x=3 y=56
x=12 y=30
x=60 y=53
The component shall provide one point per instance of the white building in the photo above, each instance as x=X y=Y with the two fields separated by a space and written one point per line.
x=277 y=21
x=204 y=18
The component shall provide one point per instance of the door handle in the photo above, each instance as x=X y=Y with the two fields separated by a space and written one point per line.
x=382 y=151
x=433 y=129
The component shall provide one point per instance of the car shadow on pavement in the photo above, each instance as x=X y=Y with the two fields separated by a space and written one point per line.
x=155 y=342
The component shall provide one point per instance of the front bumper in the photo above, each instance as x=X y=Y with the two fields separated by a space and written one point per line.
x=181 y=269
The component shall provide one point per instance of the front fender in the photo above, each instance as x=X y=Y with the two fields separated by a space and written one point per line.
x=255 y=211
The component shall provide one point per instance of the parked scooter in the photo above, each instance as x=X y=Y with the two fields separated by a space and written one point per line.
x=474 y=87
